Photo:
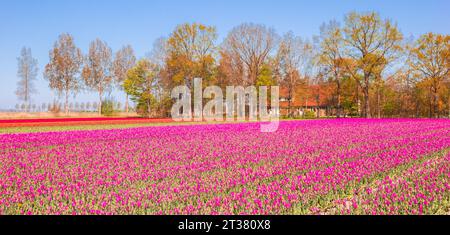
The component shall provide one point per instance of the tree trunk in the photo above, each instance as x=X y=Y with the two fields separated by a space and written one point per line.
x=26 y=94
x=252 y=77
x=358 y=102
x=318 y=102
x=366 y=108
x=290 y=103
x=338 y=111
x=449 y=106
x=435 y=103
x=66 y=105
x=100 y=103
x=289 y=109
x=430 y=102
x=148 y=109
x=378 y=103
x=416 y=107
x=126 y=103
x=430 y=109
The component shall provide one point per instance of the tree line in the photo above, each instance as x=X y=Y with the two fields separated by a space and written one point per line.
x=363 y=66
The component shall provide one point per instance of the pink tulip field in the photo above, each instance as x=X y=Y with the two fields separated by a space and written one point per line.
x=348 y=166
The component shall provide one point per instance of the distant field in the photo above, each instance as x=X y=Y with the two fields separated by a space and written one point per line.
x=9 y=126
x=34 y=129
x=65 y=124
x=78 y=121
x=50 y=115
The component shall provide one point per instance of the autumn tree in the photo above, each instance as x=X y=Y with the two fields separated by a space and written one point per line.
x=330 y=58
x=158 y=56
x=27 y=72
x=293 y=62
x=191 y=53
x=266 y=77
x=407 y=91
x=64 y=66
x=230 y=70
x=372 y=43
x=97 y=69
x=124 y=60
x=430 y=62
x=448 y=96
x=249 y=46
x=140 y=84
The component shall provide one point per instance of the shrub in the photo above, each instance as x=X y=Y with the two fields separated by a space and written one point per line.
x=108 y=108
x=308 y=114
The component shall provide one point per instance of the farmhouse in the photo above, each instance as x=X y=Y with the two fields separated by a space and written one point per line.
x=313 y=100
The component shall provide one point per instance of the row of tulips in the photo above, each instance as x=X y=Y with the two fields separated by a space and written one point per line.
x=421 y=189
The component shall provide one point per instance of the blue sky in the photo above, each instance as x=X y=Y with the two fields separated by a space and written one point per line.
x=37 y=24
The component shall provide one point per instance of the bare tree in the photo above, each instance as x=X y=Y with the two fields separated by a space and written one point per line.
x=65 y=63
x=293 y=61
x=230 y=71
x=448 y=88
x=250 y=44
x=27 y=72
x=159 y=52
x=97 y=69
x=123 y=61
x=332 y=46
x=158 y=55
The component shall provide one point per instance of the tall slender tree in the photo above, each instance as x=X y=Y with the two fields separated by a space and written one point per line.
x=97 y=69
x=64 y=66
x=27 y=72
x=293 y=60
x=124 y=60
x=331 y=48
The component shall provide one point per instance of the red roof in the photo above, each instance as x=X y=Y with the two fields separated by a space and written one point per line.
x=306 y=96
